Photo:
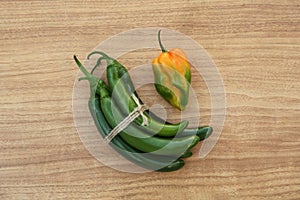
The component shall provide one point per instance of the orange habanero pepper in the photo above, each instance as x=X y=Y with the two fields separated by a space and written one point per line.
x=172 y=73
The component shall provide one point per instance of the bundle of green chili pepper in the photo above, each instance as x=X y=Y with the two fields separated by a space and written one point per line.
x=159 y=146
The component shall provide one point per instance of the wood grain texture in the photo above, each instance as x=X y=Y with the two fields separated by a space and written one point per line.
x=255 y=45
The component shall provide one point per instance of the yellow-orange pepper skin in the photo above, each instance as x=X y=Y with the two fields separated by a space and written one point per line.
x=172 y=73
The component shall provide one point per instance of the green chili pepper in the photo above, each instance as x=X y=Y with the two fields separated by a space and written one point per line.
x=172 y=76
x=147 y=161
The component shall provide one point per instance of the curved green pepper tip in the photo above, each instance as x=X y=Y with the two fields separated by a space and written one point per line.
x=204 y=135
x=194 y=142
x=183 y=125
x=209 y=132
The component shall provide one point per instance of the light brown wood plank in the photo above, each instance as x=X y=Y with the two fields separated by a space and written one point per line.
x=255 y=45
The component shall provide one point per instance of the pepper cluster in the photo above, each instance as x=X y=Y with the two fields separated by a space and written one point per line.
x=159 y=146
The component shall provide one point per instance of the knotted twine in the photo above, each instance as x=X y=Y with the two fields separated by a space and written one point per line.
x=138 y=111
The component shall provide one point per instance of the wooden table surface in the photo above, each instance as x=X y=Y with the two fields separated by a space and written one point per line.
x=256 y=47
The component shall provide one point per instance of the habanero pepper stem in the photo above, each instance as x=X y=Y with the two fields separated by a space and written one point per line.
x=160 y=43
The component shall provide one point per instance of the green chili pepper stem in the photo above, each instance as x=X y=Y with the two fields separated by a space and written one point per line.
x=160 y=43
x=94 y=81
x=103 y=56
x=84 y=71
x=97 y=64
